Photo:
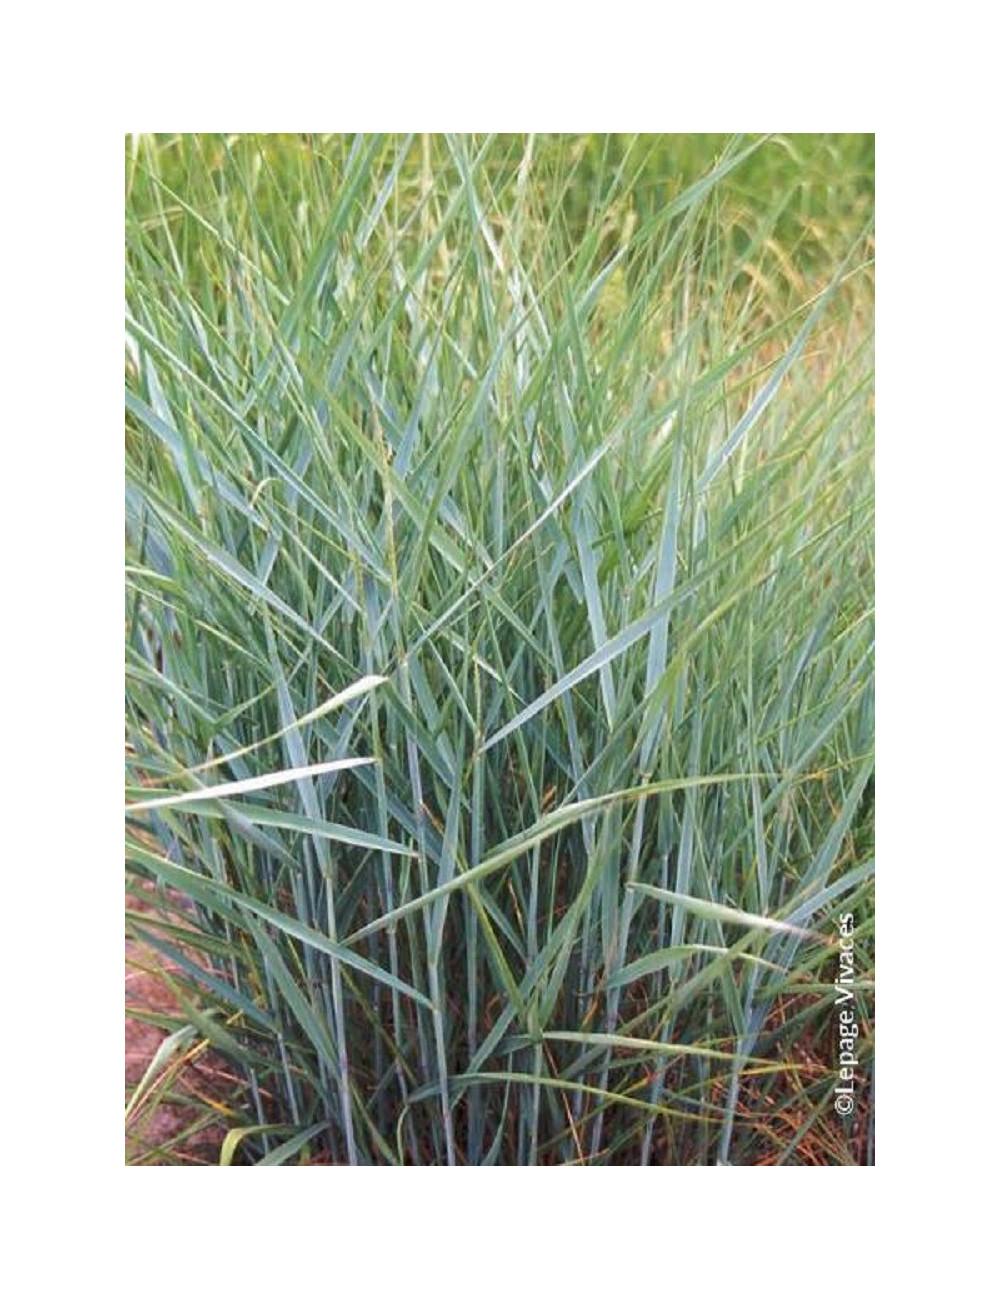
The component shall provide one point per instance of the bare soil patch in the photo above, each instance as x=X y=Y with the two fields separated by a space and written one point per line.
x=184 y=1118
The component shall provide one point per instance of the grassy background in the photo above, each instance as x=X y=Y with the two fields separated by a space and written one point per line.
x=500 y=510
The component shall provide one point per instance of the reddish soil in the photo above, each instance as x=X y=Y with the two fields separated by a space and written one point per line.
x=185 y=1117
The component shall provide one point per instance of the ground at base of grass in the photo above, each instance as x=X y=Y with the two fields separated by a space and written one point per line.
x=186 y=1111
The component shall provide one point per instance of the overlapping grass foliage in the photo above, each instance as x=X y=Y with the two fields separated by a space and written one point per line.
x=499 y=636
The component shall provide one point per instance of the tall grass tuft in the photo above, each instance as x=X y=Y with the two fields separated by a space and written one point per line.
x=499 y=637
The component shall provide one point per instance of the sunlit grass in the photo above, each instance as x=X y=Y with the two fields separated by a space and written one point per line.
x=499 y=542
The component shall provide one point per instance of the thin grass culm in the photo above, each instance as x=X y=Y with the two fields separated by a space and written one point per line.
x=499 y=643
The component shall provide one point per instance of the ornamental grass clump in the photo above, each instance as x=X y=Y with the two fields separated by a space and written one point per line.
x=499 y=639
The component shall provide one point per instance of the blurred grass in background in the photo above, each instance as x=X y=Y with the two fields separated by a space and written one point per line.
x=516 y=494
